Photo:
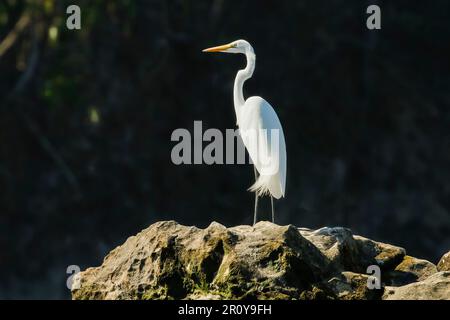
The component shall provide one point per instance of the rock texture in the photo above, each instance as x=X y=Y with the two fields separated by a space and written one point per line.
x=435 y=287
x=267 y=261
x=410 y=270
x=444 y=263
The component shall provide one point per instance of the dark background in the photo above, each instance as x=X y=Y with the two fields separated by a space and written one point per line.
x=86 y=119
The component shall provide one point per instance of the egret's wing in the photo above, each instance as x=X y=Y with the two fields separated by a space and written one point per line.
x=263 y=136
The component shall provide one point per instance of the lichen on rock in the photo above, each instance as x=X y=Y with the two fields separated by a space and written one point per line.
x=410 y=270
x=435 y=287
x=444 y=263
x=266 y=261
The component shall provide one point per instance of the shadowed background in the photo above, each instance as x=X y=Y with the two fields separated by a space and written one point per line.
x=86 y=119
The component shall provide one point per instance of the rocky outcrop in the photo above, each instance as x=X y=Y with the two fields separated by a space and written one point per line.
x=266 y=261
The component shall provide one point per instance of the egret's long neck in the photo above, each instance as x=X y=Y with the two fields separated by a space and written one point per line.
x=241 y=77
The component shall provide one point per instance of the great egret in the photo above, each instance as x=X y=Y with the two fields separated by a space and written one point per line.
x=260 y=129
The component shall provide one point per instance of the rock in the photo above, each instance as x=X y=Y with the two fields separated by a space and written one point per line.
x=444 y=263
x=377 y=253
x=353 y=286
x=168 y=260
x=435 y=287
x=266 y=261
x=353 y=253
x=410 y=270
x=337 y=244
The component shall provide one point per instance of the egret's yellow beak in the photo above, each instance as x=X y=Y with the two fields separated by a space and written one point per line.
x=219 y=48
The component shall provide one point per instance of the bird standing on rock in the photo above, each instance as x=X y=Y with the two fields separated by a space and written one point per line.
x=260 y=129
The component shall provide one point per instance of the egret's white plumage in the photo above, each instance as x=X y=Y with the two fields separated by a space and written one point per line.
x=267 y=151
x=260 y=129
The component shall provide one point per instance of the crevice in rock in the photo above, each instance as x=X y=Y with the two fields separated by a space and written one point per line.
x=211 y=264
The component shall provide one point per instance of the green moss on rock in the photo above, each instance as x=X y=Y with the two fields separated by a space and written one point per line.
x=266 y=261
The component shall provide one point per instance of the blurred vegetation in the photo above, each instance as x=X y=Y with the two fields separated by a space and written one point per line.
x=86 y=118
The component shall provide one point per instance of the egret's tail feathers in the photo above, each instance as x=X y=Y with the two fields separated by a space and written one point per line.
x=267 y=185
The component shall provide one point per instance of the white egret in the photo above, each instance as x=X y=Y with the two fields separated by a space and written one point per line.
x=260 y=129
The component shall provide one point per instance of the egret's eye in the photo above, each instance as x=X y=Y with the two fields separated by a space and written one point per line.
x=234 y=45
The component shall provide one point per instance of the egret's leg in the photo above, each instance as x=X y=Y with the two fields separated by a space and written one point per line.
x=273 y=212
x=256 y=210
x=255 y=215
